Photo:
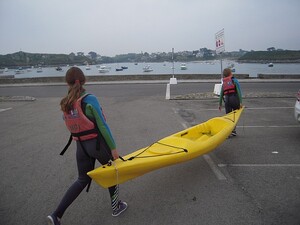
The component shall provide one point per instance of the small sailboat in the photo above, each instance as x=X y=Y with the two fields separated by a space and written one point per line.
x=29 y=69
x=183 y=66
x=39 y=70
x=147 y=68
x=103 y=69
x=19 y=70
x=231 y=66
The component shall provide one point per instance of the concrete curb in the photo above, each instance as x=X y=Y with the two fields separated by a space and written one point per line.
x=192 y=96
x=210 y=95
x=151 y=82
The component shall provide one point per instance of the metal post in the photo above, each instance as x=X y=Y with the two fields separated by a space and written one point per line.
x=173 y=80
x=173 y=67
x=221 y=61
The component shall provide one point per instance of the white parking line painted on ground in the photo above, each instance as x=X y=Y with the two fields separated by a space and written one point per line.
x=214 y=167
x=3 y=110
x=185 y=126
x=259 y=165
x=246 y=108
x=266 y=108
x=270 y=126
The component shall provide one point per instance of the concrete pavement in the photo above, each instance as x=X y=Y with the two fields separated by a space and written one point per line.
x=261 y=186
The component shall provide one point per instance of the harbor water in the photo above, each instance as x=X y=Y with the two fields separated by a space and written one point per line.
x=207 y=67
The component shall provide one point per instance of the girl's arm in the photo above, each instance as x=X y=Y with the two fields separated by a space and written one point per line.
x=94 y=109
x=238 y=89
x=221 y=96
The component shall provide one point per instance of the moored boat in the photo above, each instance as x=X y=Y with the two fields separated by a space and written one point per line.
x=58 y=68
x=103 y=69
x=183 y=66
x=30 y=69
x=147 y=68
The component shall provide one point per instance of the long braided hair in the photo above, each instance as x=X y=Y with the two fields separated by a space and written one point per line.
x=75 y=79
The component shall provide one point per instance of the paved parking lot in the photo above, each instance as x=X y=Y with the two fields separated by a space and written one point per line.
x=253 y=178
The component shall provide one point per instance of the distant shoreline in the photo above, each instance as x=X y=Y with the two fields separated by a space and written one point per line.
x=268 y=61
x=25 y=59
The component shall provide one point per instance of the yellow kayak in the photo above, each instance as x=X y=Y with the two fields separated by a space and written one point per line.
x=176 y=148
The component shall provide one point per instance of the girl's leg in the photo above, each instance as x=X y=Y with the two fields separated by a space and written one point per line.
x=103 y=156
x=233 y=103
x=228 y=107
x=114 y=196
x=84 y=165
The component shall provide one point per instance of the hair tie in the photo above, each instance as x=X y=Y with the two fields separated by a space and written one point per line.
x=77 y=81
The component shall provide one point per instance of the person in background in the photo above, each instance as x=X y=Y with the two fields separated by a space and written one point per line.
x=230 y=93
x=85 y=120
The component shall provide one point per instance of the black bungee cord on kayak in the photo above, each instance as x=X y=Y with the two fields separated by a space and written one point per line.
x=232 y=120
x=149 y=156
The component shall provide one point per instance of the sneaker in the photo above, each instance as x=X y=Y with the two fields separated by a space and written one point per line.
x=121 y=208
x=53 y=220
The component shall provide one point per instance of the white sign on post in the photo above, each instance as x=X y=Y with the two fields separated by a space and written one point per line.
x=220 y=48
x=220 y=42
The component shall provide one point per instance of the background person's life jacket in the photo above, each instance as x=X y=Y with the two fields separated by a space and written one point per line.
x=228 y=85
x=81 y=127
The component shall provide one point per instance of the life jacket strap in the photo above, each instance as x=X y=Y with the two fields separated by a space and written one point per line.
x=87 y=132
x=93 y=131
x=230 y=91
x=67 y=145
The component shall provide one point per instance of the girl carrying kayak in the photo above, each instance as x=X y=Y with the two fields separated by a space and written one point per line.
x=230 y=93
x=85 y=120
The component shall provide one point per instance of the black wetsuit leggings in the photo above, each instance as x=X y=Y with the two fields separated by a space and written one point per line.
x=85 y=164
x=232 y=102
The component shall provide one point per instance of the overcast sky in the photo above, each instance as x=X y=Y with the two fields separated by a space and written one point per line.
x=111 y=27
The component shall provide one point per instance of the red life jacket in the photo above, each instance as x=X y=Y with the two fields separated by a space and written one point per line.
x=78 y=124
x=228 y=85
